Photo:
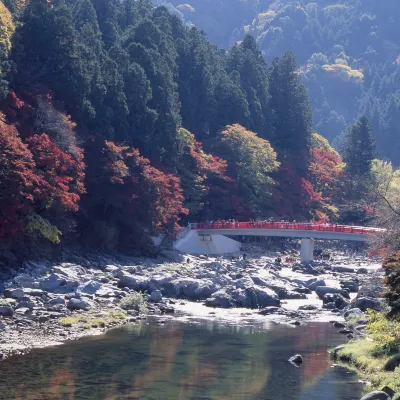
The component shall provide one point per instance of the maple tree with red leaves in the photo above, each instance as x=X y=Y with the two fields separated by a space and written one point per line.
x=19 y=182
x=129 y=199
x=62 y=174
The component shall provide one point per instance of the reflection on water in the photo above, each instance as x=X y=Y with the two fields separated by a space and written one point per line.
x=202 y=361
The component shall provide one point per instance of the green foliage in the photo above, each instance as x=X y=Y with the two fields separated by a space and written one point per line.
x=252 y=161
x=134 y=301
x=38 y=225
x=384 y=331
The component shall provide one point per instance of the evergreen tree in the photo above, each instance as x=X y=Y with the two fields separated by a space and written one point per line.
x=291 y=123
x=359 y=148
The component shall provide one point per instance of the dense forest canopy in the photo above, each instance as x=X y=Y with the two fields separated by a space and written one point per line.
x=121 y=122
x=348 y=51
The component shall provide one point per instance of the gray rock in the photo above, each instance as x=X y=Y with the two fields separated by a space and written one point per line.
x=52 y=282
x=262 y=297
x=6 y=310
x=220 y=299
x=156 y=296
x=77 y=304
x=388 y=391
x=22 y=311
x=90 y=287
x=337 y=299
x=269 y=310
x=377 y=395
x=138 y=283
x=193 y=289
x=35 y=292
x=25 y=281
x=362 y=271
x=14 y=293
x=57 y=300
x=392 y=363
x=25 y=304
x=308 y=307
x=313 y=285
x=296 y=359
x=343 y=270
x=353 y=312
x=321 y=291
x=365 y=303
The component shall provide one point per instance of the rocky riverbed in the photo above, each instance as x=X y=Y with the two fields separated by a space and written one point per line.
x=45 y=304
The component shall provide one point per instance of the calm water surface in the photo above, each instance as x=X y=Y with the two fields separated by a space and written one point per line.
x=200 y=360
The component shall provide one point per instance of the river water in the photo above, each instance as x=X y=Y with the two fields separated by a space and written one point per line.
x=196 y=360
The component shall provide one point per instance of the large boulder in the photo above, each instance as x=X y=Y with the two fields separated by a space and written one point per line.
x=156 y=296
x=365 y=303
x=194 y=289
x=25 y=281
x=392 y=363
x=262 y=297
x=315 y=283
x=221 y=299
x=377 y=395
x=321 y=291
x=5 y=309
x=90 y=287
x=244 y=283
x=336 y=298
x=78 y=304
x=138 y=283
x=353 y=312
x=57 y=282
x=14 y=293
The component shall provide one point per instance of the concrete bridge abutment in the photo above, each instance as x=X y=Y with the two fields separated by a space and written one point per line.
x=307 y=249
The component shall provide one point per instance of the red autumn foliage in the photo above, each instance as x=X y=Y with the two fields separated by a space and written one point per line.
x=324 y=170
x=156 y=196
x=19 y=183
x=128 y=196
x=62 y=174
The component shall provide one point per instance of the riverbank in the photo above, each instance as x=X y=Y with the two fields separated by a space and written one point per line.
x=375 y=356
x=46 y=305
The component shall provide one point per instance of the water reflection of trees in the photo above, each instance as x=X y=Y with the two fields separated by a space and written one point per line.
x=175 y=361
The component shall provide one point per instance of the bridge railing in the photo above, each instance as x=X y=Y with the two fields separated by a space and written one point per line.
x=285 y=225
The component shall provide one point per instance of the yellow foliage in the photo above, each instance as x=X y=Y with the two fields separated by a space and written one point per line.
x=7 y=28
x=319 y=142
x=344 y=72
x=255 y=157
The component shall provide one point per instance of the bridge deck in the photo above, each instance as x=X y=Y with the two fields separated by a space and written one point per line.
x=284 y=229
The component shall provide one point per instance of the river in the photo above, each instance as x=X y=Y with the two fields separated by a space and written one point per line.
x=197 y=360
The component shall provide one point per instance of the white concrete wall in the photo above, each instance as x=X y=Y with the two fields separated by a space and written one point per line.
x=192 y=244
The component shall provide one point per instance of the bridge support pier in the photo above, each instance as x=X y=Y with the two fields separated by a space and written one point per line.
x=307 y=249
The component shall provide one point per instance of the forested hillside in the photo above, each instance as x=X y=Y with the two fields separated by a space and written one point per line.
x=120 y=122
x=348 y=50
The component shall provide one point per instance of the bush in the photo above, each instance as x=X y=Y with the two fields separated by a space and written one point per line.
x=134 y=301
x=384 y=331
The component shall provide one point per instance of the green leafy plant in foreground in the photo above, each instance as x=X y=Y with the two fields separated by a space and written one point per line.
x=384 y=331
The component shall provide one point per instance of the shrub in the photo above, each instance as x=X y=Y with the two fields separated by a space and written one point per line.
x=384 y=331
x=134 y=301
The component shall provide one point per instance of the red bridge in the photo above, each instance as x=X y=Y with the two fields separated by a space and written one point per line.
x=211 y=238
